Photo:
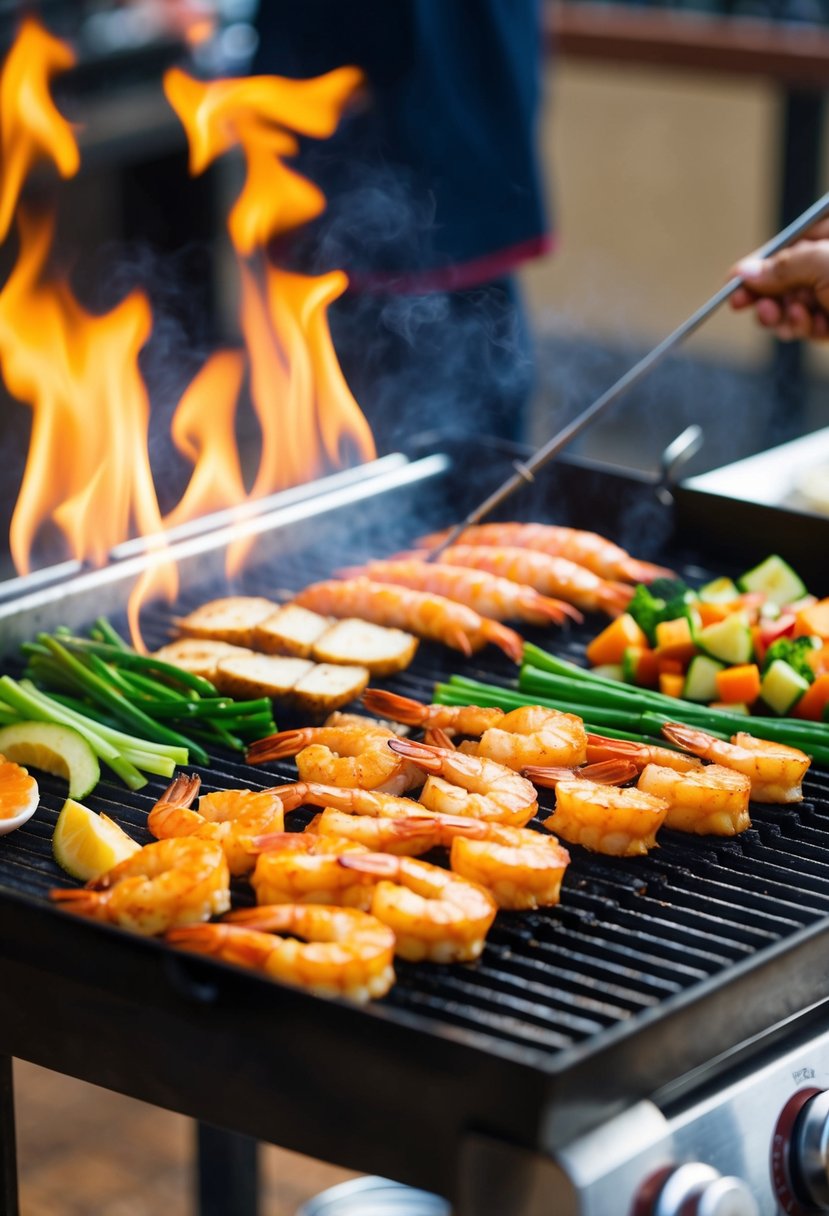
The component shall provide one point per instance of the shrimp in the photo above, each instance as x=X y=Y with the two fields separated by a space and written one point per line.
x=465 y=719
x=230 y=817
x=406 y=837
x=429 y=616
x=553 y=576
x=775 y=770
x=600 y=748
x=354 y=756
x=346 y=953
x=434 y=914
x=490 y=595
x=536 y=735
x=302 y=868
x=711 y=800
x=519 y=867
x=603 y=772
x=604 y=819
x=587 y=549
x=459 y=784
x=166 y=884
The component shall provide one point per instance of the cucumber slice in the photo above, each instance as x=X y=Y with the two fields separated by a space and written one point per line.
x=775 y=579
x=782 y=687
x=701 y=679
x=719 y=591
x=728 y=640
x=609 y=671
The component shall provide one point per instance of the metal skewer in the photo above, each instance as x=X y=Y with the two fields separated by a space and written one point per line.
x=525 y=471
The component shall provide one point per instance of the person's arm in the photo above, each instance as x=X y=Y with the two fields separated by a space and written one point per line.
x=789 y=292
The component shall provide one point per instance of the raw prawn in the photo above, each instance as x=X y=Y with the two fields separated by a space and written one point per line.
x=465 y=719
x=230 y=817
x=346 y=953
x=166 y=884
x=354 y=756
x=775 y=770
x=587 y=549
x=459 y=784
x=430 y=616
x=554 y=576
x=600 y=748
x=533 y=734
x=710 y=800
x=604 y=819
x=434 y=914
x=489 y=594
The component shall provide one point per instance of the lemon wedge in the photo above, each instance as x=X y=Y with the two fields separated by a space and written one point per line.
x=86 y=845
x=54 y=749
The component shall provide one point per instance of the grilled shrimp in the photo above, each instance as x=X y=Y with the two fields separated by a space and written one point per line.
x=405 y=837
x=775 y=770
x=230 y=817
x=429 y=616
x=501 y=599
x=434 y=914
x=586 y=549
x=302 y=868
x=604 y=819
x=165 y=884
x=710 y=800
x=554 y=576
x=603 y=772
x=459 y=784
x=533 y=734
x=600 y=748
x=465 y=719
x=346 y=953
x=354 y=756
x=519 y=867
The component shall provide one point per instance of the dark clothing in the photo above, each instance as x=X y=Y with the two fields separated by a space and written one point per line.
x=433 y=197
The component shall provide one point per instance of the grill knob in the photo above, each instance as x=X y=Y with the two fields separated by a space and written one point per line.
x=698 y=1190
x=809 y=1152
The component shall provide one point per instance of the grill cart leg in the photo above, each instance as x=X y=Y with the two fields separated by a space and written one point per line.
x=227 y=1172
x=8 y=1148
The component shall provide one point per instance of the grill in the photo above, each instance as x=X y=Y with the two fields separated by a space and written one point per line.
x=653 y=979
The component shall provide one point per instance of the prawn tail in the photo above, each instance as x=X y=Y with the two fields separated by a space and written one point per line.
x=635 y=571
x=421 y=754
x=381 y=865
x=291 y=795
x=181 y=791
x=79 y=900
x=557 y=611
x=436 y=736
x=391 y=705
x=272 y=842
x=269 y=918
x=274 y=747
x=689 y=737
x=613 y=597
x=610 y=772
x=505 y=638
x=201 y=939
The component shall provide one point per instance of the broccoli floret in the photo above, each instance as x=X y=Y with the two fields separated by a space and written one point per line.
x=795 y=652
x=664 y=600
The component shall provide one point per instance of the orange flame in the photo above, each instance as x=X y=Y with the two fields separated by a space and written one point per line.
x=88 y=467
x=31 y=129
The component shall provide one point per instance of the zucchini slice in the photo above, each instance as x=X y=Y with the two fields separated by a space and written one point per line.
x=775 y=579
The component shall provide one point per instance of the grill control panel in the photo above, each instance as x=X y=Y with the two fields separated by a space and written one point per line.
x=756 y=1145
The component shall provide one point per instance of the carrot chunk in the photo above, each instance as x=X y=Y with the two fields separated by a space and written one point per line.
x=674 y=640
x=670 y=684
x=813 y=619
x=813 y=703
x=739 y=683
x=610 y=645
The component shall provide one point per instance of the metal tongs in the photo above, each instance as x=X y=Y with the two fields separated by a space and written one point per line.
x=525 y=470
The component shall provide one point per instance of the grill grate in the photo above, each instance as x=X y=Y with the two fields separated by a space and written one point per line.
x=628 y=935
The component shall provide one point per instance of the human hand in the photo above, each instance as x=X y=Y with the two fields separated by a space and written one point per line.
x=789 y=291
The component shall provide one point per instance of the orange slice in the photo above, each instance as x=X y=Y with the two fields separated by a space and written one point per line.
x=19 y=796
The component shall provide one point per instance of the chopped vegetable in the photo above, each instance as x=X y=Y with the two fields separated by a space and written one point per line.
x=739 y=684
x=701 y=679
x=54 y=749
x=815 y=700
x=674 y=640
x=664 y=600
x=728 y=640
x=775 y=579
x=610 y=645
x=670 y=684
x=782 y=687
x=794 y=651
x=814 y=619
